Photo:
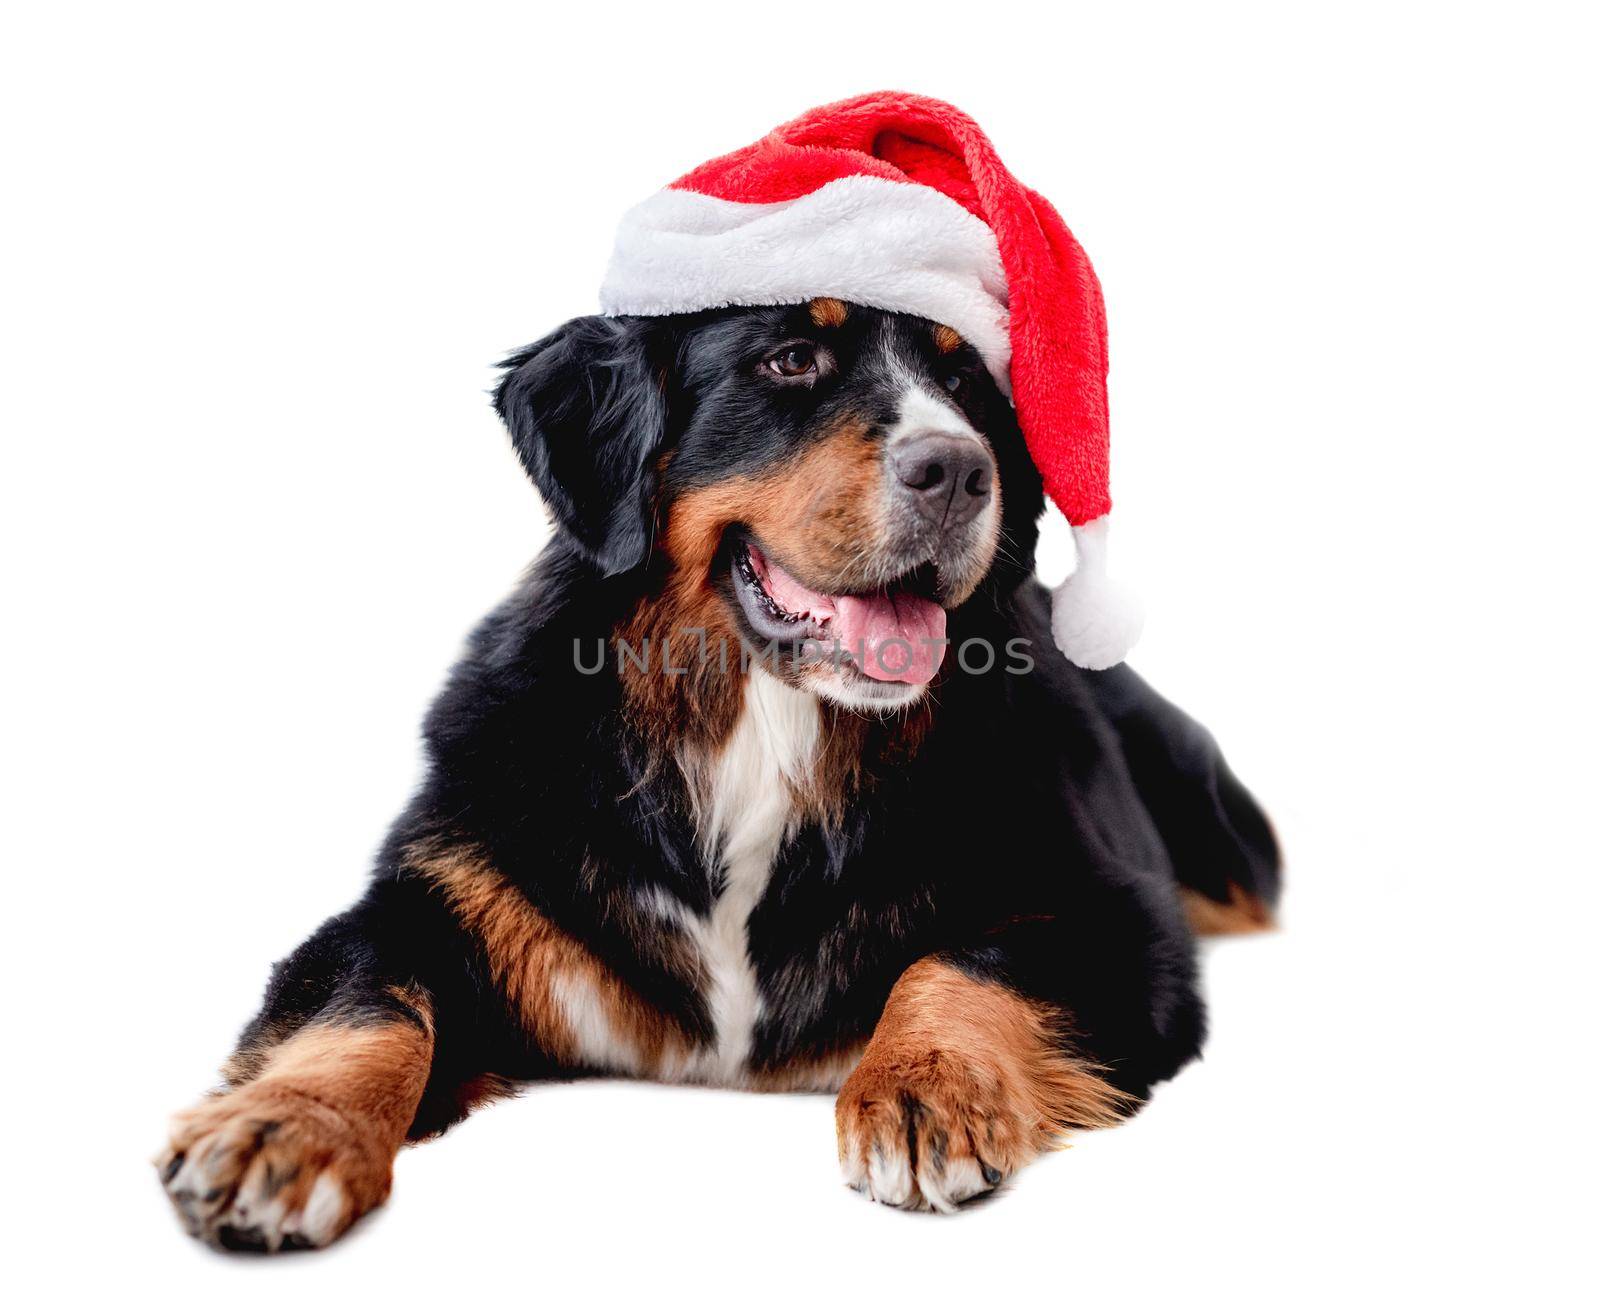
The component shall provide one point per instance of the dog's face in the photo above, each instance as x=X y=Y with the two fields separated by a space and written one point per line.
x=826 y=480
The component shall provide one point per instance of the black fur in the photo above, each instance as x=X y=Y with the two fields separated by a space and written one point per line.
x=1036 y=837
x=587 y=415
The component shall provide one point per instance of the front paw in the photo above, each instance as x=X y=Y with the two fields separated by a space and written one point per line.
x=268 y=1165
x=962 y=1083
x=930 y=1130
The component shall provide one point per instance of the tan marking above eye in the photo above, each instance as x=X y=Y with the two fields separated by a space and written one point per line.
x=829 y=312
x=946 y=340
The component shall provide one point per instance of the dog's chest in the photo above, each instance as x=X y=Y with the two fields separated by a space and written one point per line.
x=746 y=812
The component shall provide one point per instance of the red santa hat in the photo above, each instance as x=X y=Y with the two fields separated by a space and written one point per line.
x=900 y=202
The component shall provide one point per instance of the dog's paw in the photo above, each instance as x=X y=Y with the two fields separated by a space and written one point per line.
x=963 y=1082
x=931 y=1130
x=267 y=1166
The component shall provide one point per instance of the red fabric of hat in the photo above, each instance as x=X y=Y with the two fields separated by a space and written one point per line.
x=900 y=202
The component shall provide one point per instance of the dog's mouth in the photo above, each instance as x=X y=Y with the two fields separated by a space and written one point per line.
x=893 y=635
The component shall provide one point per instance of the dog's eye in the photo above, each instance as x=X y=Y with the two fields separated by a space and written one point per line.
x=955 y=382
x=793 y=361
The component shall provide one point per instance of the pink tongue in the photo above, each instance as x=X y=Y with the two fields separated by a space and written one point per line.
x=895 y=639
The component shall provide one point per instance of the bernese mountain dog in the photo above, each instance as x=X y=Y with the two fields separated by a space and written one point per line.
x=769 y=775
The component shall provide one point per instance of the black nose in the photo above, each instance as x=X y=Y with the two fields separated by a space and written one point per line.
x=948 y=476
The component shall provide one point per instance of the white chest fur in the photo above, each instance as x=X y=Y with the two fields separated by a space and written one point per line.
x=746 y=812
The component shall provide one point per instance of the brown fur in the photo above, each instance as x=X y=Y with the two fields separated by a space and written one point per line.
x=334 y=1098
x=1240 y=913
x=823 y=506
x=532 y=962
x=825 y=1072
x=946 y=340
x=250 y=1059
x=702 y=704
x=962 y=1068
x=829 y=312
x=819 y=514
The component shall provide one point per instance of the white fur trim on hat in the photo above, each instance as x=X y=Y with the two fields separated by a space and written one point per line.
x=884 y=244
x=1095 y=619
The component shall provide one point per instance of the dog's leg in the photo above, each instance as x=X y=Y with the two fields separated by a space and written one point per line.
x=305 y=1143
x=325 y=1085
x=964 y=1081
x=1222 y=848
x=985 y=1055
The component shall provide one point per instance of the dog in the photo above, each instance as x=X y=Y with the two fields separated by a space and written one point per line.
x=766 y=775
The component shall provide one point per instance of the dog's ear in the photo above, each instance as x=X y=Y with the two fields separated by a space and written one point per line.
x=587 y=411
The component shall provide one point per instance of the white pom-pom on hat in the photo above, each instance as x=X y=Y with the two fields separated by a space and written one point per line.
x=900 y=202
x=1095 y=618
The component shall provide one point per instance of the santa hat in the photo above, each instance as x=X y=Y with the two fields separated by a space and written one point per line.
x=900 y=202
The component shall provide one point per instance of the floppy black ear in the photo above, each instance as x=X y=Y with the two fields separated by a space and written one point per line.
x=588 y=417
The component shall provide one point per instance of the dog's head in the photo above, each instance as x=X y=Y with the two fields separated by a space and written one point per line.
x=825 y=481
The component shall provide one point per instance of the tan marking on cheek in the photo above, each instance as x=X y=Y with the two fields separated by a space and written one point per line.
x=696 y=521
x=537 y=966
x=828 y=312
x=825 y=517
x=946 y=340
x=821 y=513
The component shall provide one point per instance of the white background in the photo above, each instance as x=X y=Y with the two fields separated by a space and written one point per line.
x=257 y=268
